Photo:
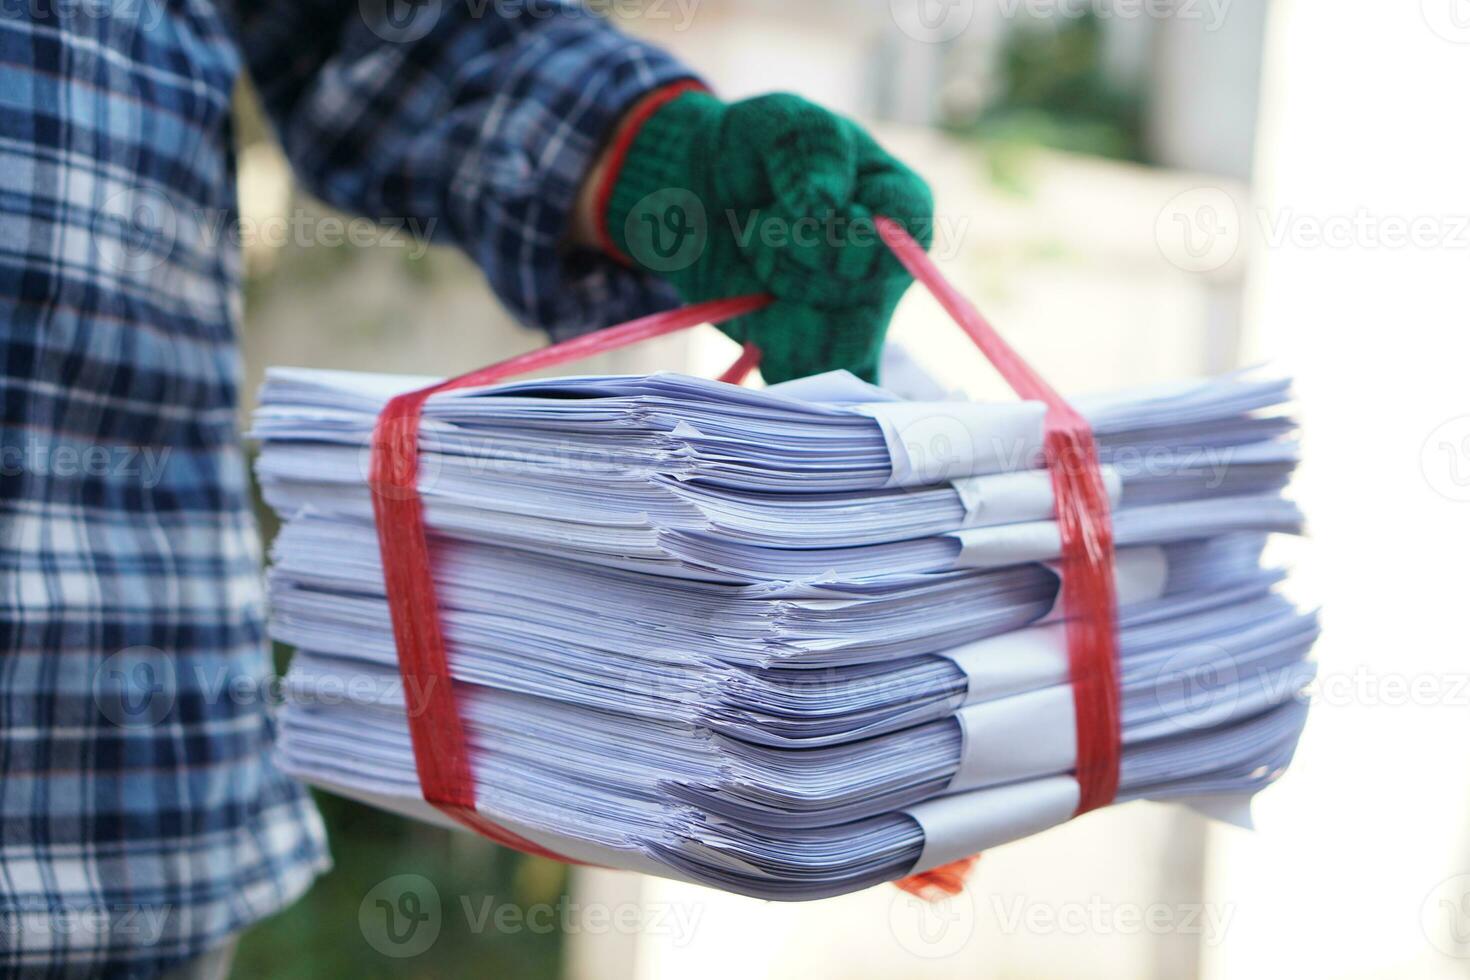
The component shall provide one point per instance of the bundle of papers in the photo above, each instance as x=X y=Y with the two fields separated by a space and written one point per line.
x=789 y=642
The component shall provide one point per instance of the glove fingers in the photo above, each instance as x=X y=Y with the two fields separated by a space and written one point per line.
x=849 y=248
x=740 y=150
x=826 y=265
x=889 y=188
x=815 y=177
x=803 y=181
x=811 y=160
x=783 y=150
x=902 y=197
x=846 y=254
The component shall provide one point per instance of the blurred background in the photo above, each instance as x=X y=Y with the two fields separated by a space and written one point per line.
x=1134 y=191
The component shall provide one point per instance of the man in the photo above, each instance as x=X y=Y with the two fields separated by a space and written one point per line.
x=142 y=825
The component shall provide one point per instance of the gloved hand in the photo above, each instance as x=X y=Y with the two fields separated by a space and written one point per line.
x=772 y=195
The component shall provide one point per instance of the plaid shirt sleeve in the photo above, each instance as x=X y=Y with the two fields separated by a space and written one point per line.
x=478 y=119
x=142 y=820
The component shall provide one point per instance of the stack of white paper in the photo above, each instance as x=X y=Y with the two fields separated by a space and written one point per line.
x=788 y=642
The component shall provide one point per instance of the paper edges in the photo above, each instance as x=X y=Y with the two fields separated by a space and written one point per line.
x=958 y=826
x=572 y=848
x=1036 y=656
x=1018 y=721
x=1017 y=711
x=935 y=442
x=965 y=824
x=1018 y=497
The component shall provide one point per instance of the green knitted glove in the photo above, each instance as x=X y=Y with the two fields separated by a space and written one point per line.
x=773 y=195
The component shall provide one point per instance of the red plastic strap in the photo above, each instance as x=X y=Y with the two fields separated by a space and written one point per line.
x=748 y=361
x=1088 y=596
x=435 y=725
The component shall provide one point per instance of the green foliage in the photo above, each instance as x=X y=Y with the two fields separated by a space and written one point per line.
x=321 y=936
x=1056 y=92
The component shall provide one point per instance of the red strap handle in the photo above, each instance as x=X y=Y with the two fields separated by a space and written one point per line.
x=1089 y=598
x=1089 y=595
x=435 y=724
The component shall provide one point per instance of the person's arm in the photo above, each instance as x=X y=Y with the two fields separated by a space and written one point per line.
x=588 y=174
x=482 y=120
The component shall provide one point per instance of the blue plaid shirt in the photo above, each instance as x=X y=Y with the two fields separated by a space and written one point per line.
x=141 y=821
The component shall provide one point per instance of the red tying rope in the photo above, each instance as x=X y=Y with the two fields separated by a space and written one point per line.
x=1088 y=594
x=435 y=725
x=1088 y=597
